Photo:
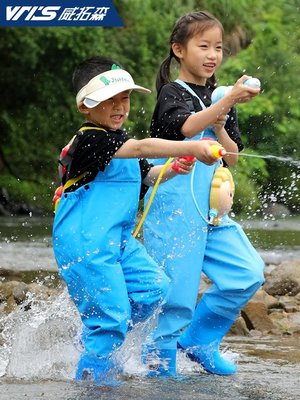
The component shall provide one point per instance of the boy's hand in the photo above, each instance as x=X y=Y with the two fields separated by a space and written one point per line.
x=183 y=165
x=208 y=151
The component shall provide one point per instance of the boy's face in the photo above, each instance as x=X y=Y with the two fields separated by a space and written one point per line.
x=111 y=113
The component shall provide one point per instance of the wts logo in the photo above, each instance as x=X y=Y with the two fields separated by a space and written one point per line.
x=85 y=13
x=46 y=13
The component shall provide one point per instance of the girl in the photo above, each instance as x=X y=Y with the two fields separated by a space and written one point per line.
x=177 y=231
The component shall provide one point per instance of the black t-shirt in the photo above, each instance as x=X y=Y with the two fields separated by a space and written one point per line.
x=172 y=109
x=94 y=151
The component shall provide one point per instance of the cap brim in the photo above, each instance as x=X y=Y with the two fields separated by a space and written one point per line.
x=95 y=98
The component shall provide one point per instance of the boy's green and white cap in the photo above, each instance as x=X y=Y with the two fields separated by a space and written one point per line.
x=106 y=85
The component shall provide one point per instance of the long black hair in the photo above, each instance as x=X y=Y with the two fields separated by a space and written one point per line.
x=185 y=28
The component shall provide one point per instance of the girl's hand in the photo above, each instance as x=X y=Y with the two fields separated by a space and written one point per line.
x=184 y=165
x=219 y=123
x=242 y=93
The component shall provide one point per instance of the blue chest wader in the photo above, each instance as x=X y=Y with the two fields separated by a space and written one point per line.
x=178 y=236
x=110 y=277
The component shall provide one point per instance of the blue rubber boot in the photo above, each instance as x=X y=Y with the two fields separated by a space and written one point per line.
x=95 y=369
x=161 y=363
x=201 y=341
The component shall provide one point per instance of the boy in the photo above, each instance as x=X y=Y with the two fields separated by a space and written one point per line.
x=110 y=277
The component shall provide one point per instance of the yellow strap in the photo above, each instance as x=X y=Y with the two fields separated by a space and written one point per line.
x=163 y=170
x=71 y=182
x=84 y=128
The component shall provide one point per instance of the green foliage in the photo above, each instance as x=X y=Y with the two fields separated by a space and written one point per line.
x=38 y=114
x=28 y=192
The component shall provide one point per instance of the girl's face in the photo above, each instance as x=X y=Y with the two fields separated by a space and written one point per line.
x=111 y=113
x=201 y=56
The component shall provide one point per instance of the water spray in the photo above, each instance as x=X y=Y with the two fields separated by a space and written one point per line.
x=289 y=160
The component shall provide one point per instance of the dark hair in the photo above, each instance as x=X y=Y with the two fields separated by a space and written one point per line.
x=88 y=69
x=185 y=28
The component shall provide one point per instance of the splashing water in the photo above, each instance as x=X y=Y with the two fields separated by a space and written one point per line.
x=39 y=350
x=129 y=356
x=43 y=343
x=289 y=160
x=40 y=343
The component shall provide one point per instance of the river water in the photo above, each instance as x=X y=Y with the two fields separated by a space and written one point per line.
x=39 y=348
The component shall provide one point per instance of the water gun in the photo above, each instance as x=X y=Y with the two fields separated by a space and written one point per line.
x=220 y=91
x=175 y=165
x=217 y=151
